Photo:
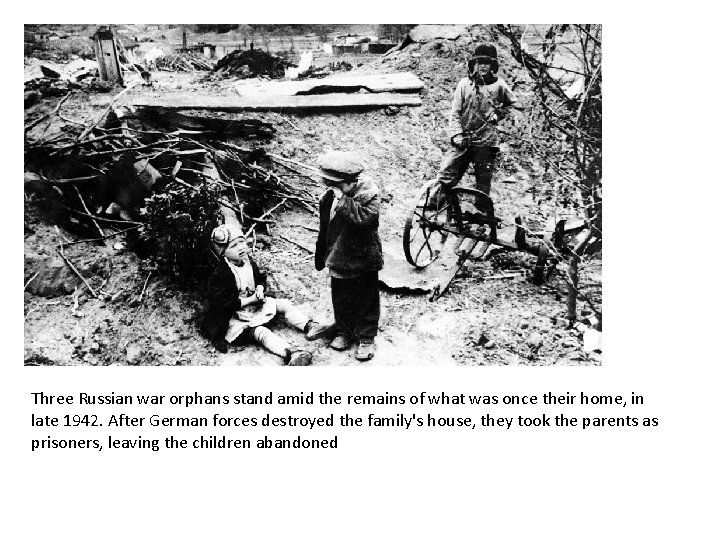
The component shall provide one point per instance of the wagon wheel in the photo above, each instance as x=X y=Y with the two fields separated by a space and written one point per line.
x=428 y=224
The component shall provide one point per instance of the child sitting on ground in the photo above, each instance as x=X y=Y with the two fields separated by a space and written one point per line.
x=239 y=306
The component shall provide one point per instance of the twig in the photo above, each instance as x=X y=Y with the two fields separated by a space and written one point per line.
x=89 y=129
x=102 y=233
x=298 y=244
x=92 y=141
x=60 y=181
x=105 y=220
x=48 y=115
x=142 y=293
x=104 y=237
x=288 y=121
x=77 y=273
x=504 y=276
x=278 y=205
x=220 y=200
x=30 y=280
x=131 y=149
x=237 y=199
x=70 y=120
x=409 y=326
x=285 y=162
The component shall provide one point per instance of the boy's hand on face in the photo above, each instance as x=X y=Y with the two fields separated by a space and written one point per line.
x=260 y=293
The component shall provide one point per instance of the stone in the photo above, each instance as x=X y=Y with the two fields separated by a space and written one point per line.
x=165 y=336
x=53 y=277
x=132 y=354
x=535 y=340
x=592 y=340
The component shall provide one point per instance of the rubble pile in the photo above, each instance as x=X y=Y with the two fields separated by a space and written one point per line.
x=118 y=173
x=50 y=80
x=251 y=63
x=185 y=61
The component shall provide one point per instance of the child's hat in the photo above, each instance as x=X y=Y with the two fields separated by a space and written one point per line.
x=486 y=53
x=224 y=234
x=340 y=166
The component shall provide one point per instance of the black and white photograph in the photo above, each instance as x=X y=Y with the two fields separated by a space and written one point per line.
x=313 y=195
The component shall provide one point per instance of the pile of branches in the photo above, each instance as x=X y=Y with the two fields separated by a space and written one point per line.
x=185 y=61
x=113 y=175
x=251 y=63
x=567 y=104
x=565 y=122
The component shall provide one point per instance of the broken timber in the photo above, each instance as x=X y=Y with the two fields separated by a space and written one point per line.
x=376 y=83
x=278 y=103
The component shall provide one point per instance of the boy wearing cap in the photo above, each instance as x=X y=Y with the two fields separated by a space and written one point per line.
x=349 y=246
x=239 y=306
x=480 y=101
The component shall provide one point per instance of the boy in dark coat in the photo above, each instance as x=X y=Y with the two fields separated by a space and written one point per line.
x=349 y=246
x=239 y=307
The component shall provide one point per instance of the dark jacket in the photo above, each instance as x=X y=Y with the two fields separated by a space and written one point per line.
x=349 y=243
x=223 y=302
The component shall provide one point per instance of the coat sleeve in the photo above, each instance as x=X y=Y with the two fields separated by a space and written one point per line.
x=260 y=277
x=223 y=301
x=321 y=243
x=507 y=97
x=455 y=126
x=365 y=214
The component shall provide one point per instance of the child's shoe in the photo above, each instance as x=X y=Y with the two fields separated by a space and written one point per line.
x=341 y=342
x=299 y=357
x=315 y=330
x=365 y=350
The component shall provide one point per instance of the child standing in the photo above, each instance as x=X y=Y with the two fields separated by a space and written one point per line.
x=480 y=101
x=349 y=246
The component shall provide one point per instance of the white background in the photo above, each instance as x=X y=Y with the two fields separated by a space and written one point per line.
x=660 y=340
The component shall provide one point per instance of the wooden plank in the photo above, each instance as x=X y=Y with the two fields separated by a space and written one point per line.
x=278 y=103
x=383 y=82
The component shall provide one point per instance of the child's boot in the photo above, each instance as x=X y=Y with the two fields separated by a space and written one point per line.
x=341 y=342
x=298 y=357
x=365 y=350
x=314 y=330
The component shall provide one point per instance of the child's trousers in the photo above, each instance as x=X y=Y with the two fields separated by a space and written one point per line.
x=356 y=303
x=272 y=342
x=456 y=162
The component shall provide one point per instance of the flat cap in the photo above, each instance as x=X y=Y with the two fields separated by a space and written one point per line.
x=344 y=164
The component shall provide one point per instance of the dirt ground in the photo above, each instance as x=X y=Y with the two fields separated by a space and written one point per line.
x=481 y=320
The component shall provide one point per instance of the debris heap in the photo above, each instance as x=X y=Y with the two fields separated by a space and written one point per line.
x=166 y=187
x=185 y=61
x=251 y=63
